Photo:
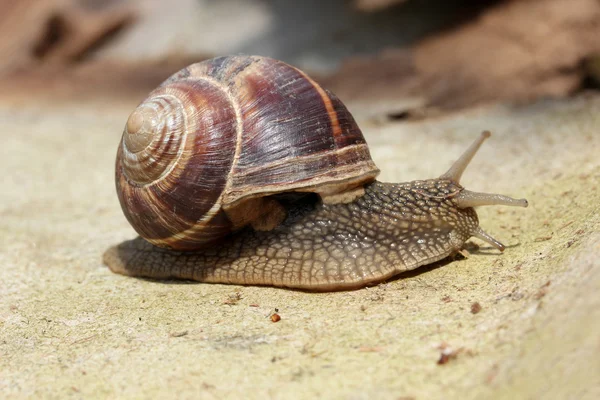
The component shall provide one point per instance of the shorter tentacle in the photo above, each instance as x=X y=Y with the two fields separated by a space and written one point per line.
x=483 y=235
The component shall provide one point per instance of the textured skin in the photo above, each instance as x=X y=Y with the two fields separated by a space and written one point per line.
x=391 y=229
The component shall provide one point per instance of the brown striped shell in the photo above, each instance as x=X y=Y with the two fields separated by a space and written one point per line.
x=222 y=132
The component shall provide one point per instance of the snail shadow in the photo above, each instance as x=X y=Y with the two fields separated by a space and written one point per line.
x=471 y=249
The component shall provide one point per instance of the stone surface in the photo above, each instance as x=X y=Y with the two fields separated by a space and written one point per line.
x=69 y=328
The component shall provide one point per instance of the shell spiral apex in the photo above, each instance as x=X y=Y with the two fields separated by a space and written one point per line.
x=153 y=139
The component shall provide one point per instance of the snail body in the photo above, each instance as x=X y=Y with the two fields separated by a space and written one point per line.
x=244 y=170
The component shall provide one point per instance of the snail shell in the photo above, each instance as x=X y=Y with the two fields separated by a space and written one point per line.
x=217 y=137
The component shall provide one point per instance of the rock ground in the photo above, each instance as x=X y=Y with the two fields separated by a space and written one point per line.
x=521 y=324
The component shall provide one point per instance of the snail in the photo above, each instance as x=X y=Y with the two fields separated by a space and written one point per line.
x=243 y=170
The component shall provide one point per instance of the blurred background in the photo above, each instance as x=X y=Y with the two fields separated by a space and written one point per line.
x=390 y=59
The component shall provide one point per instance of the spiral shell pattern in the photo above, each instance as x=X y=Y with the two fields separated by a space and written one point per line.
x=153 y=139
x=183 y=132
x=226 y=130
